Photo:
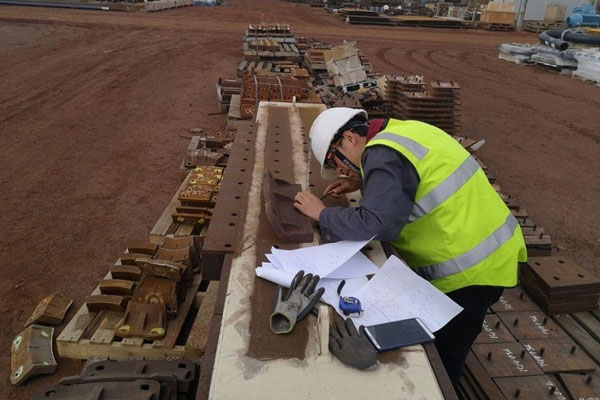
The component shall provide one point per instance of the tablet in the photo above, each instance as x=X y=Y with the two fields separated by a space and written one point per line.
x=393 y=335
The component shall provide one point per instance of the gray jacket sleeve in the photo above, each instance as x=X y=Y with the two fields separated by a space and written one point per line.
x=389 y=187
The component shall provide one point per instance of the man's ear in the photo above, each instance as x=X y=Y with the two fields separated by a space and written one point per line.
x=351 y=136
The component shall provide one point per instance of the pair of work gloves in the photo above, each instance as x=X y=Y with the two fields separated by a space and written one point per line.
x=345 y=342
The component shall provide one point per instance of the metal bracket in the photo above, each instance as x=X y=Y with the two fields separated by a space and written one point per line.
x=31 y=354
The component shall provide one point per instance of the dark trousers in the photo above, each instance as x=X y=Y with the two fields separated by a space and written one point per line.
x=454 y=340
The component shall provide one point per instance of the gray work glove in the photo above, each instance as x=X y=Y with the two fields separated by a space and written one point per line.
x=297 y=302
x=349 y=346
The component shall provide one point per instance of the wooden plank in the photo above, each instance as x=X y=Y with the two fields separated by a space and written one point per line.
x=79 y=323
x=199 y=333
x=208 y=359
x=440 y=372
x=174 y=326
x=184 y=230
x=198 y=299
x=161 y=227
x=117 y=351
x=106 y=331
x=589 y=322
x=579 y=335
x=132 y=342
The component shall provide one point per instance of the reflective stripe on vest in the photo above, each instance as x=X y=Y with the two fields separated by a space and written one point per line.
x=474 y=256
x=413 y=146
x=447 y=188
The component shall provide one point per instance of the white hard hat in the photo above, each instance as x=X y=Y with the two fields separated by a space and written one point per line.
x=324 y=128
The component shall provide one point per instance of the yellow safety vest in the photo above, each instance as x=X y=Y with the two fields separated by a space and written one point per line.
x=460 y=233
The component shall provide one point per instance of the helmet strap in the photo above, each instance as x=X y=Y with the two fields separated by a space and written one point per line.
x=351 y=166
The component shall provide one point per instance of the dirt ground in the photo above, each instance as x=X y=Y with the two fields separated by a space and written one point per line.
x=95 y=109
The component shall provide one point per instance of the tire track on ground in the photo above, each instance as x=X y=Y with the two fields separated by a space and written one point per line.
x=381 y=56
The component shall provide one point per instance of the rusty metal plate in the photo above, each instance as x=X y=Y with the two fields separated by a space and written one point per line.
x=558 y=303
x=494 y=331
x=154 y=290
x=559 y=355
x=289 y=224
x=106 y=302
x=130 y=258
x=199 y=194
x=558 y=274
x=505 y=359
x=202 y=185
x=184 y=370
x=168 y=384
x=582 y=386
x=540 y=245
x=31 y=354
x=547 y=297
x=163 y=268
x=531 y=325
x=144 y=248
x=514 y=300
x=141 y=389
x=532 y=387
x=143 y=320
x=119 y=287
x=559 y=299
x=51 y=310
x=223 y=232
x=126 y=272
x=207 y=175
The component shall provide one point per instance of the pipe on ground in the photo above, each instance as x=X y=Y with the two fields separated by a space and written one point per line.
x=559 y=39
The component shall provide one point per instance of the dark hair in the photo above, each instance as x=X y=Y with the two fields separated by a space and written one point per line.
x=357 y=124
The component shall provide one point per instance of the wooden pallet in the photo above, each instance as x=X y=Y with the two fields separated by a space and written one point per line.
x=165 y=225
x=91 y=334
x=538 y=27
x=497 y=27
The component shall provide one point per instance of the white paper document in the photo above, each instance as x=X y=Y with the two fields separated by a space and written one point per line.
x=397 y=293
x=394 y=293
x=324 y=259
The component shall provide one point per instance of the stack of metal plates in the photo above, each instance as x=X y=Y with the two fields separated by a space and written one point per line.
x=560 y=285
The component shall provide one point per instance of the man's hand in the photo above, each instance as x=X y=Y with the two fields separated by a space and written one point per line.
x=309 y=204
x=343 y=185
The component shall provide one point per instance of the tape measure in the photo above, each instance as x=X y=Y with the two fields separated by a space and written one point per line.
x=348 y=304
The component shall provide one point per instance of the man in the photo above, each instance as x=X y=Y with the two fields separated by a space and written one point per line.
x=427 y=196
